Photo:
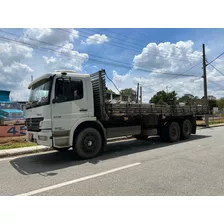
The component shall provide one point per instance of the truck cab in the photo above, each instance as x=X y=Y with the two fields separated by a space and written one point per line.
x=58 y=103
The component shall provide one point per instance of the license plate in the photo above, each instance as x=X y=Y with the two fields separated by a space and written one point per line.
x=30 y=136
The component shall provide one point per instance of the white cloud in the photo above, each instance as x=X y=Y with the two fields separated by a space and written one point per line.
x=166 y=57
x=51 y=36
x=66 y=58
x=12 y=68
x=96 y=39
x=10 y=52
x=119 y=78
x=22 y=93
x=172 y=58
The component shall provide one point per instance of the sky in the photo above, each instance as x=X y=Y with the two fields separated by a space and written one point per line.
x=167 y=59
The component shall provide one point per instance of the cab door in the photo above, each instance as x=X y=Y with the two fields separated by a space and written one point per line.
x=68 y=106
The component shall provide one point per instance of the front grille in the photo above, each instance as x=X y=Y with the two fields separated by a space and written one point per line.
x=32 y=124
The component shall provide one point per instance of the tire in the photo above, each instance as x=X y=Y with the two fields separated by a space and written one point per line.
x=171 y=132
x=62 y=149
x=186 y=129
x=88 y=143
x=139 y=137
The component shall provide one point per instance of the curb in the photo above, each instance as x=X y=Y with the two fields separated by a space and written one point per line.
x=40 y=148
x=211 y=126
x=23 y=151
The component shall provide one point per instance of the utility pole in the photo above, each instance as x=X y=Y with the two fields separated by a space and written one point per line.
x=140 y=94
x=137 y=93
x=205 y=83
x=167 y=89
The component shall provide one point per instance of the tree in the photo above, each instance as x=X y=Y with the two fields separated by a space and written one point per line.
x=220 y=103
x=108 y=91
x=189 y=99
x=162 y=98
x=128 y=93
x=212 y=102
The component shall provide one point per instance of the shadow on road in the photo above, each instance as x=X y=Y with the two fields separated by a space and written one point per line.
x=46 y=164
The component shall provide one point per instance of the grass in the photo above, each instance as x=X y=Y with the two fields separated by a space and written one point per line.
x=211 y=121
x=218 y=121
x=17 y=145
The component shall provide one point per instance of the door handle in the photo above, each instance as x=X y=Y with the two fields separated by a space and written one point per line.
x=83 y=110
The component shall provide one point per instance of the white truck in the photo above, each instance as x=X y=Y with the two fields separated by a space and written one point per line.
x=67 y=109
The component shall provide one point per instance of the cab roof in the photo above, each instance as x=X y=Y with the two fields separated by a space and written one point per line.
x=58 y=73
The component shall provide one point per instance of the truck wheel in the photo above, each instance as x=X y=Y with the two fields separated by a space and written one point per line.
x=174 y=132
x=88 y=143
x=171 y=132
x=186 y=129
x=62 y=149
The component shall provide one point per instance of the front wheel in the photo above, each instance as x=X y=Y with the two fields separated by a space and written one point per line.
x=88 y=143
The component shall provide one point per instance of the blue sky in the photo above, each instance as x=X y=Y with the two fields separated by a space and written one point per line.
x=119 y=51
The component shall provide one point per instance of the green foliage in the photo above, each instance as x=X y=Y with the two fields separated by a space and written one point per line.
x=128 y=92
x=109 y=91
x=17 y=145
x=189 y=99
x=220 y=103
x=212 y=102
x=164 y=98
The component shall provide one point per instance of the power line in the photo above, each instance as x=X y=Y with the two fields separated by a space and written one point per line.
x=113 y=38
x=188 y=70
x=215 y=58
x=91 y=59
x=217 y=84
x=191 y=57
x=216 y=69
x=134 y=49
x=113 y=83
x=58 y=46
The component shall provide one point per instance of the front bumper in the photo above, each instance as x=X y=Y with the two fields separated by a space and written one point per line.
x=43 y=137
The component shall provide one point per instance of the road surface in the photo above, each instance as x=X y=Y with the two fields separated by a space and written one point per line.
x=134 y=167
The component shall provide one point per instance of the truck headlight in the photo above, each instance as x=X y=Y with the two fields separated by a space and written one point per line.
x=41 y=124
x=42 y=138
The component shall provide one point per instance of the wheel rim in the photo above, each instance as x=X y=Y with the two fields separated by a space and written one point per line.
x=174 y=132
x=89 y=143
x=187 y=128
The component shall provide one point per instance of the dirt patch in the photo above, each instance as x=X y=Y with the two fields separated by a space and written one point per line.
x=200 y=122
x=12 y=140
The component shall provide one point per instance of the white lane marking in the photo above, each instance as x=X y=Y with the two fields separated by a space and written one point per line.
x=77 y=180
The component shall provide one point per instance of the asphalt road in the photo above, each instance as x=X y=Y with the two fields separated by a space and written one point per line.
x=150 y=167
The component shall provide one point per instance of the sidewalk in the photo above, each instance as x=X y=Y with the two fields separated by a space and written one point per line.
x=40 y=148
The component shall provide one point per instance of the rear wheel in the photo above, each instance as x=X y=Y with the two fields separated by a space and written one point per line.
x=186 y=129
x=170 y=132
x=88 y=143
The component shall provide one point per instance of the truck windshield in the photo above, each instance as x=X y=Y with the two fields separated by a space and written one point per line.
x=40 y=93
